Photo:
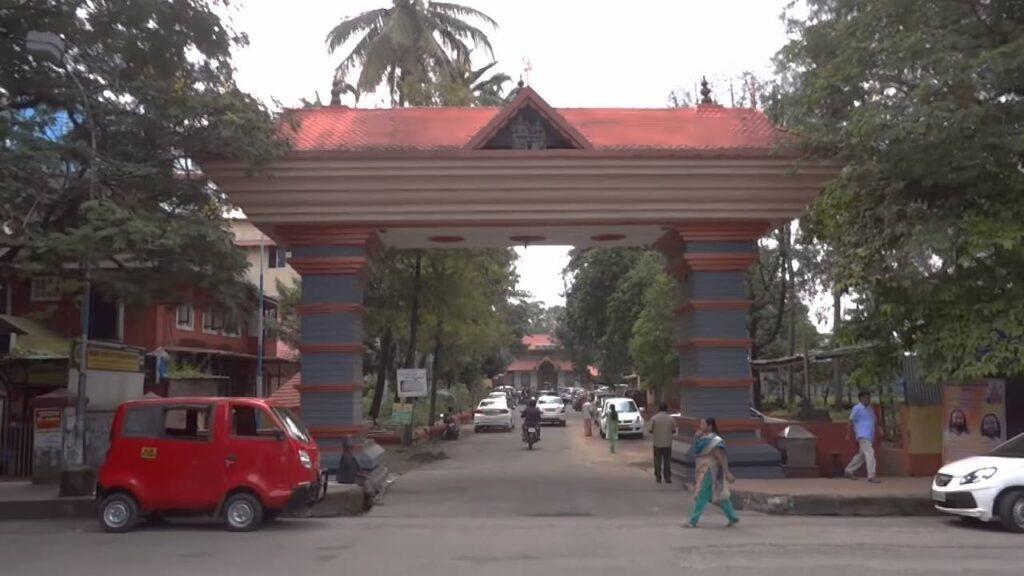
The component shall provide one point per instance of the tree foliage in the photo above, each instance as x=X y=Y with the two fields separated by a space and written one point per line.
x=151 y=83
x=923 y=102
x=413 y=48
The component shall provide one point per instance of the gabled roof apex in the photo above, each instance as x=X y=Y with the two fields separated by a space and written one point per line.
x=528 y=97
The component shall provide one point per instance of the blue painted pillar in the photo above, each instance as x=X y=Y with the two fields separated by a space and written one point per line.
x=334 y=263
x=709 y=260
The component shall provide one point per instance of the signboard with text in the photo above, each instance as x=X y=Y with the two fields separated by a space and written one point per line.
x=412 y=383
x=401 y=413
x=110 y=359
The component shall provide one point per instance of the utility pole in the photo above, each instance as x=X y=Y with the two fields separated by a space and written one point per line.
x=260 y=392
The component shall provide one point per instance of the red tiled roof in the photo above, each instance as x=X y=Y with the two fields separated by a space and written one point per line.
x=288 y=394
x=539 y=341
x=702 y=128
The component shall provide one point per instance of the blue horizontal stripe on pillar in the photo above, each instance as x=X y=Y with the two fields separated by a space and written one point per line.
x=714 y=363
x=331 y=409
x=317 y=289
x=342 y=327
x=713 y=324
x=706 y=285
x=723 y=403
x=332 y=368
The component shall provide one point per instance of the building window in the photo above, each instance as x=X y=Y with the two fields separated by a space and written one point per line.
x=185 y=317
x=221 y=322
x=277 y=257
x=45 y=289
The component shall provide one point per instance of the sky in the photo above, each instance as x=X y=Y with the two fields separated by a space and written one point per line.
x=580 y=53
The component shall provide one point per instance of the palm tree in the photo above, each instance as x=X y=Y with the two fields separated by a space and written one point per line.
x=407 y=46
x=468 y=87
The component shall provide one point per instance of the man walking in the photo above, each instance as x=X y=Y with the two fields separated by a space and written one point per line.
x=662 y=428
x=863 y=425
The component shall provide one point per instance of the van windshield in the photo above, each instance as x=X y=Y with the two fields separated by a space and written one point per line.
x=292 y=425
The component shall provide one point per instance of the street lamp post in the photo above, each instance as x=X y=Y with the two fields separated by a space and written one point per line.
x=53 y=49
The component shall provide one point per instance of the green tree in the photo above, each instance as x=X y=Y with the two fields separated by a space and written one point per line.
x=651 y=346
x=408 y=47
x=596 y=274
x=922 y=101
x=97 y=146
x=469 y=87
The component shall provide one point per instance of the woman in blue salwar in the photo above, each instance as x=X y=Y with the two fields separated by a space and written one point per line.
x=711 y=474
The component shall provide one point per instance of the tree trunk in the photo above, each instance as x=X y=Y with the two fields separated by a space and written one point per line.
x=837 y=373
x=434 y=374
x=414 y=317
x=382 y=373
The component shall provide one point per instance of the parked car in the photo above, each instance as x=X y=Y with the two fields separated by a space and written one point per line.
x=552 y=410
x=987 y=488
x=493 y=413
x=597 y=404
x=240 y=459
x=631 y=421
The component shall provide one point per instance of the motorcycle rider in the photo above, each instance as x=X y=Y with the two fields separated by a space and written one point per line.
x=531 y=417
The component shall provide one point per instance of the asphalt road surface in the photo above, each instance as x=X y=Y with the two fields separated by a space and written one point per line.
x=494 y=508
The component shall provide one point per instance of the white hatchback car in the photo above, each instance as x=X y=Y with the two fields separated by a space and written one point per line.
x=552 y=410
x=988 y=488
x=493 y=413
x=631 y=422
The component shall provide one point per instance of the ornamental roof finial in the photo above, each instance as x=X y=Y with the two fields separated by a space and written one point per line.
x=705 y=92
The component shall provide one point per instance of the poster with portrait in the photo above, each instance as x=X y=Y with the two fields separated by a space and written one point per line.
x=975 y=418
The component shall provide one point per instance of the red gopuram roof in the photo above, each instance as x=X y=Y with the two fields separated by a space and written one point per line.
x=539 y=341
x=701 y=129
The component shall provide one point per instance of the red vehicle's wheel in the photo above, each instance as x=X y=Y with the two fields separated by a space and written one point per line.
x=119 y=512
x=243 y=512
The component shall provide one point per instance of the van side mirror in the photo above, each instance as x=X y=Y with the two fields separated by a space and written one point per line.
x=279 y=435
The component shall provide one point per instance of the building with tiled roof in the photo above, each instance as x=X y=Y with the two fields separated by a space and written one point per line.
x=544 y=365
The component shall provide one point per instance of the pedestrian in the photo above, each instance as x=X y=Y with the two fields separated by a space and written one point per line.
x=612 y=426
x=662 y=428
x=711 y=476
x=863 y=425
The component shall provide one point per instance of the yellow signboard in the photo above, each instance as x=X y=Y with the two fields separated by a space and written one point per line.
x=111 y=359
x=148 y=453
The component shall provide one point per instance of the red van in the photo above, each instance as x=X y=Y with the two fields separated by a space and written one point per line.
x=241 y=459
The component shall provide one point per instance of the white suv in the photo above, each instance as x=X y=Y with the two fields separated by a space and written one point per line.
x=552 y=410
x=985 y=487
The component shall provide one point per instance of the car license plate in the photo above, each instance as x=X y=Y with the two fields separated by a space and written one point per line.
x=938 y=496
x=531 y=430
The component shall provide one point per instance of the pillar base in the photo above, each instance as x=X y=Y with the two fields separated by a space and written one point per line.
x=747 y=460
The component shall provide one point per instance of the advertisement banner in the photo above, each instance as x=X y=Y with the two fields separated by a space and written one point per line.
x=974 y=418
x=47 y=428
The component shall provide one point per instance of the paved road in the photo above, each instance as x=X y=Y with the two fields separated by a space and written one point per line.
x=496 y=509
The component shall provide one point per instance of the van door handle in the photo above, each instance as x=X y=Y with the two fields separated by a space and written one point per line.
x=231 y=459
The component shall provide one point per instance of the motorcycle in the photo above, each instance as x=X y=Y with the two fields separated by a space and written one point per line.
x=451 y=427
x=531 y=436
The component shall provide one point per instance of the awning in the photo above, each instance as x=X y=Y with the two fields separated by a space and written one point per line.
x=33 y=340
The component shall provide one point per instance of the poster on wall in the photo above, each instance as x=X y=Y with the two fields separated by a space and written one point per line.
x=975 y=418
x=47 y=433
